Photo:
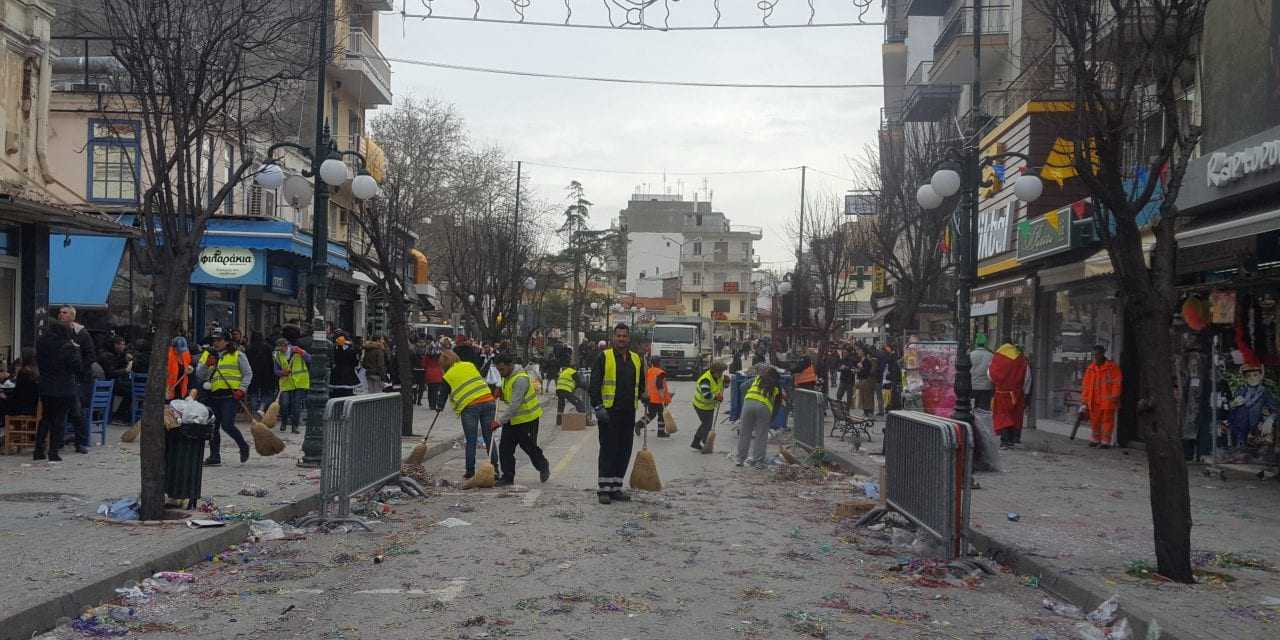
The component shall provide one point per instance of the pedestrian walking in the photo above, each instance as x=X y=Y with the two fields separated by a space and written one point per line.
x=1100 y=395
x=472 y=401
x=433 y=376
x=763 y=397
x=343 y=379
x=263 y=391
x=980 y=363
x=657 y=394
x=375 y=365
x=617 y=386
x=890 y=373
x=59 y=363
x=291 y=367
x=569 y=385
x=1011 y=379
x=847 y=368
x=225 y=374
x=709 y=393
x=519 y=421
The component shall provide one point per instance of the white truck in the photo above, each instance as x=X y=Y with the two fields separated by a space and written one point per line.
x=682 y=343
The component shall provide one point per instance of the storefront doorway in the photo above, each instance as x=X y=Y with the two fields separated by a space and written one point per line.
x=215 y=305
x=9 y=283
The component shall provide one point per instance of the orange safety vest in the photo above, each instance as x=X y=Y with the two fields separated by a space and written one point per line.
x=656 y=395
x=808 y=376
x=1101 y=386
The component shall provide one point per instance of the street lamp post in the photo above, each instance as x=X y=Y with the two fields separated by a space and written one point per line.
x=962 y=168
x=327 y=170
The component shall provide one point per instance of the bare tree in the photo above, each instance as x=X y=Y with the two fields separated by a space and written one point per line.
x=1128 y=64
x=908 y=242
x=204 y=78
x=833 y=254
x=419 y=139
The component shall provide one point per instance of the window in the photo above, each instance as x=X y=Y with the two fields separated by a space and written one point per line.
x=697 y=248
x=720 y=278
x=746 y=249
x=114 y=161
x=699 y=219
x=697 y=278
x=696 y=306
x=8 y=241
x=742 y=307
x=720 y=306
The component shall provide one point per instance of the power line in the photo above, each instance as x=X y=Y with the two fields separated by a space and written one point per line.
x=831 y=175
x=661 y=173
x=669 y=83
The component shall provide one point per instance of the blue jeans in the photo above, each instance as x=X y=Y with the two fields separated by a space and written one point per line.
x=224 y=408
x=475 y=426
x=291 y=405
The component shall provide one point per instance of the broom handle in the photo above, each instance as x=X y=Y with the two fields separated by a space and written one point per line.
x=252 y=415
x=433 y=425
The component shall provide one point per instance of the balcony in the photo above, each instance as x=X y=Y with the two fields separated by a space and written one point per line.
x=953 y=49
x=926 y=100
x=927 y=7
x=721 y=258
x=709 y=287
x=757 y=233
x=363 y=68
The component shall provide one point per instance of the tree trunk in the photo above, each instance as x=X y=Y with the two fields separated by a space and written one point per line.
x=168 y=298
x=404 y=357
x=1159 y=425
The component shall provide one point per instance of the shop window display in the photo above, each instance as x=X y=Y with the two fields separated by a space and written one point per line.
x=1081 y=319
x=1246 y=378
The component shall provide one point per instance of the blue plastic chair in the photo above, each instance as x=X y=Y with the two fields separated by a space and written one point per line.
x=138 y=382
x=97 y=413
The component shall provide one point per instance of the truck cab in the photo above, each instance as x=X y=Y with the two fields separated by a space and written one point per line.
x=678 y=346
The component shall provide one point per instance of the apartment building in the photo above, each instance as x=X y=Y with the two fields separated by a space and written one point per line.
x=96 y=154
x=710 y=258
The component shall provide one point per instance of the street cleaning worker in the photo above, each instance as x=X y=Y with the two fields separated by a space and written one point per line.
x=567 y=384
x=617 y=385
x=1100 y=396
x=519 y=422
x=762 y=398
x=979 y=365
x=226 y=374
x=472 y=401
x=710 y=393
x=657 y=394
x=292 y=367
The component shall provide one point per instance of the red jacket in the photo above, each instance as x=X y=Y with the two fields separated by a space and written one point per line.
x=432 y=372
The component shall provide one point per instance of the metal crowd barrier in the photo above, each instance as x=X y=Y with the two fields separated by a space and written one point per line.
x=361 y=454
x=928 y=476
x=806 y=406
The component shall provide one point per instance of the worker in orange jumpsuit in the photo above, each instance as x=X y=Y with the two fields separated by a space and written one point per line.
x=1100 y=396
x=657 y=393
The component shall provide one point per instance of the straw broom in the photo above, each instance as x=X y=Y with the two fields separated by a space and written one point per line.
x=486 y=474
x=272 y=416
x=644 y=472
x=709 y=445
x=419 y=453
x=132 y=434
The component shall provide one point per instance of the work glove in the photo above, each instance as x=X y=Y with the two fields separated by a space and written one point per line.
x=297 y=351
x=494 y=425
x=238 y=394
x=602 y=417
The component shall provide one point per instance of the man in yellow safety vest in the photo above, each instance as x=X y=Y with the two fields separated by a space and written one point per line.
x=226 y=374
x=567 y=385
x=709 y=394
x=519 y=422
x=292 y=367
x=617 y=386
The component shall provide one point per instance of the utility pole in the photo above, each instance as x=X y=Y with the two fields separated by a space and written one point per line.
x=317 y=292
x=971 y=175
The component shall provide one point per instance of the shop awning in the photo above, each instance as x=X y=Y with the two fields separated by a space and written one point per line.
x=1250 y=225
x=60 y=219
x=881 y=313
x=271 y=234
x=1006 y=289
x=82 y=268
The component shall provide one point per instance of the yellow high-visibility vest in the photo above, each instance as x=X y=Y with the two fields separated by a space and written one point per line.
x=717 y=385
x=529 y=409
x=754 y=393
x=609 y=384
x=566 y=382
x=465 y=384
x=227 y=374
x=299 y=375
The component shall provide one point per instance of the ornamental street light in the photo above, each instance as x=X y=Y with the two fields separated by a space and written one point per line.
x=960 y=172
x=327 y=171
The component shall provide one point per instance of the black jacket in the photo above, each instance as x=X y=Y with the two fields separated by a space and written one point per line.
x=345 y=362
x=58 y=358
x=630 y=383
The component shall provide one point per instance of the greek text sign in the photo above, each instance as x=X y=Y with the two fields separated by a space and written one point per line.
x=226 y=263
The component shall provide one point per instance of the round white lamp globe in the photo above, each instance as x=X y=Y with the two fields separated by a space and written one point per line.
x=927 y=197
x=945 y=182
x=270 y=176
x=333 y=172
x=1028 y=188
x=364 y=187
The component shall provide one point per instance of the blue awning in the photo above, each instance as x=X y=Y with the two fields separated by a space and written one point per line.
x=81 y=273
x=270 y=234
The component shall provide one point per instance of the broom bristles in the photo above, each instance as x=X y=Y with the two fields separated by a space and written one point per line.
x=133 y=432
x=644 y=473
x=264 y=441
x=418 y=455
x=484 y=478
x=272 y=415
x=786 y=455
x=709 y=445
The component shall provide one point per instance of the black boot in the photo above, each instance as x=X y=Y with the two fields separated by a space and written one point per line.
x=38 y=454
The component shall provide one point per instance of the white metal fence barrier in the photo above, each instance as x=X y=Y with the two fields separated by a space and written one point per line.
x=361 y=453
x=807 y=409
x=928 y=476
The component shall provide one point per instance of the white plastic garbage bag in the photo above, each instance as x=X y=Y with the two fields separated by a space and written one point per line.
x=986 y=445
x=191 y=412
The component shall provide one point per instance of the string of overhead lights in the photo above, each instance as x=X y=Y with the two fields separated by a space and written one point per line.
x=640 y=15
x=669 y=83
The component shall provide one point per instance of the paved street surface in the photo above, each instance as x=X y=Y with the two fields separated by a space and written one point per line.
x=48 y=507
x=1086 y=513
x=721 y=552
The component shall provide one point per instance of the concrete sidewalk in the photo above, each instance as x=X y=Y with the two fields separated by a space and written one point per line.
x=58 y=557
x=1084 y=520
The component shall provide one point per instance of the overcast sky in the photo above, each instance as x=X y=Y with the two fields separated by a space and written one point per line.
x=656 y=128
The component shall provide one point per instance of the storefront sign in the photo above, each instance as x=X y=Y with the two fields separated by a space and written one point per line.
x=730 y=287
x=1044 y=236
x=878 y=285
x=1235 y=170
x=993 y=230
x=226 y=263
x=282 y=280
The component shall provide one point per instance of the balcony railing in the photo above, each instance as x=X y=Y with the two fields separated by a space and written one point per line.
x=86 y=65
x=361 y=46
x=920 y=75
x=995 y=21
x=758 y=232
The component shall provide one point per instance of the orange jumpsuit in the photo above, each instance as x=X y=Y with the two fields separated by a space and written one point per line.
x=1100 y=394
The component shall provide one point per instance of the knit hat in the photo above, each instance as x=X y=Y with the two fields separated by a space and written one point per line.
x=179 y=344
x=980 y=340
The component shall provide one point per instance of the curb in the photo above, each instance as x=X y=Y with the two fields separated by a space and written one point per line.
x=43 y=616
x=1075 y=590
